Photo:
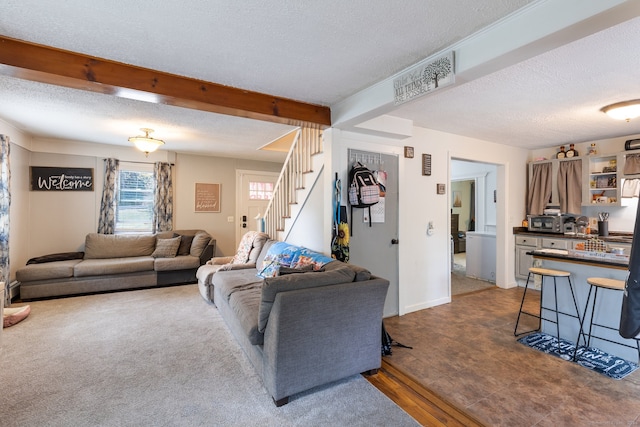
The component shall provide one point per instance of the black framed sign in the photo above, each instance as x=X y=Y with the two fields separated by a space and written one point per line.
x=45 y=178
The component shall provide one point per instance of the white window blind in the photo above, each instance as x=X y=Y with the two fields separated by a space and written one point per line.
x=134 y=201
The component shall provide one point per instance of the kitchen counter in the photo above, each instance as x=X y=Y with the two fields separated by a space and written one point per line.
x=613 y=237
x=609 y=302
x=598 y=260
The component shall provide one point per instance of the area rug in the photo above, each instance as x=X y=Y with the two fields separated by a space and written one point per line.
x=589 y=357
x=156 y=357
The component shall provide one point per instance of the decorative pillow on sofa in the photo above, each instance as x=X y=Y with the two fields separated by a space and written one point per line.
x=307 y=257
x=185 y=244
x=167 y=248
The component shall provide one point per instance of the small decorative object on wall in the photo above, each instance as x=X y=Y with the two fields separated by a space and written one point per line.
x=424 y=78
x=426 y=164
x=457 y=200
x=45 y=178
x=408 y=152
x=440 y=188
x=207 y=197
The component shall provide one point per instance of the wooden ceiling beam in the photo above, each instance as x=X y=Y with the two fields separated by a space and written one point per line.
x=74 y=70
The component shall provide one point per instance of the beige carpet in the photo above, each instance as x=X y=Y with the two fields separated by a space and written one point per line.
x=156 y=357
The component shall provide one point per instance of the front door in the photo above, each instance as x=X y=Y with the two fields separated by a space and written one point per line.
x=255 y=189
x=376 y=247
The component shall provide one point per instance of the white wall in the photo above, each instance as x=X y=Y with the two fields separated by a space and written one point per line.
x=307 y=230
x=424 y=269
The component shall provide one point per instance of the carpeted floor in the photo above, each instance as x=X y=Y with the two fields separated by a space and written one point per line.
x=157 y=357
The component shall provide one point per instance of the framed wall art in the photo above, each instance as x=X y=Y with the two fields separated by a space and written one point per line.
x=207 y=197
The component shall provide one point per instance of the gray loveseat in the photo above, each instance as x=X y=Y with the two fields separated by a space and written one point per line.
x=116 y=262
x=302 y=329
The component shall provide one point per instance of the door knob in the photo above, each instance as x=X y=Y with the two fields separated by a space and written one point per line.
x=394 y=241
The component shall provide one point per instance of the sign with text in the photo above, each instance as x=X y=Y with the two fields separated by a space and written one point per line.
x=44 y=178
x=207 y=197
x=424 y=78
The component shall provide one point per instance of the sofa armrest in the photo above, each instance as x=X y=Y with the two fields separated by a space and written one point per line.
x=220 y=260
x=208 y=252
x=318 y=335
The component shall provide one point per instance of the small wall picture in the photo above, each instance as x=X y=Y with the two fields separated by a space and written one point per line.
x=457 y=200
x=207 y=197
x=408 y=152
x=440 y=188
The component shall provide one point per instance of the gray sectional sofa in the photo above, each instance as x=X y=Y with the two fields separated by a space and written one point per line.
x=115 y=262
x=301 y=329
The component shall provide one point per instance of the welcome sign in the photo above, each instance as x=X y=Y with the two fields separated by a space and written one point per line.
x=45 y=178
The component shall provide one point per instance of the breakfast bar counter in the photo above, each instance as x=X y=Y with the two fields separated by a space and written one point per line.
x=607 y=311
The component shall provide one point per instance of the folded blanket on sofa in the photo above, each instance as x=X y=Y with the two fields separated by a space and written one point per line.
x=62 y=256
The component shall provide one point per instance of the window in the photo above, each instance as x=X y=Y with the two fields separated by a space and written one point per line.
x=134 y=201
x=260 y=190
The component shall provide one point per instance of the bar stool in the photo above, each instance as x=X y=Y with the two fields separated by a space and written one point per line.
x=545 y=273
x=600 y=283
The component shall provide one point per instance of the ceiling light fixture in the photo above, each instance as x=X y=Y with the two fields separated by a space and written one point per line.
x=626 y=110
x=145 y=143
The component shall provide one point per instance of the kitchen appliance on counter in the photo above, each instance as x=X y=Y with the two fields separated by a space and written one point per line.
x=558 y=224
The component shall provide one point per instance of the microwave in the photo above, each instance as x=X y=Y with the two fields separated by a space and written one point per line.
x=546 y=223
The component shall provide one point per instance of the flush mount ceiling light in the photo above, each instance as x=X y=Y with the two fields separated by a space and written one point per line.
x=626 y=110
x=145 y=143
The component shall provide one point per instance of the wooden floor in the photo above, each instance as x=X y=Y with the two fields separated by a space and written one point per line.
x=422 y=404
x=467 y=369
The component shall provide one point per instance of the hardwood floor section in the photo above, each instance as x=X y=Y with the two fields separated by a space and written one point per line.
x=423 y=405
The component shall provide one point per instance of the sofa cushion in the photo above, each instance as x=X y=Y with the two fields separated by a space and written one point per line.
x=245 y=305
x=361 y=272
x=200 y=241
x=49 y=270
x=100 y=267
x=99 y=246
x=228 y=282
x=166 y=248
x=185 y=244
x=290 y=282
x=263 y=253
x=180 y=262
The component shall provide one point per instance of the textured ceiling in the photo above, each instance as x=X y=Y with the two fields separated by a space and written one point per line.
x=317 y=52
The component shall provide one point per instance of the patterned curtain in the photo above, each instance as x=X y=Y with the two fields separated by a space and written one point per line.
x=163 y=199
x=5 y=205
x=107 y=221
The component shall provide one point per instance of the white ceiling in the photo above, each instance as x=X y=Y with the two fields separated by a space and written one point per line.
x=316 y=52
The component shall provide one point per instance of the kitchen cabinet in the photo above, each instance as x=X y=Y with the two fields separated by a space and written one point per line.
x=524 y=262
x=481 y=255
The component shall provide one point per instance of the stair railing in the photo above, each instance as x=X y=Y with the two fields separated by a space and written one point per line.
x=307 y=143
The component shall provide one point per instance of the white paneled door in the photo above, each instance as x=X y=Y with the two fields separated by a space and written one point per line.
x=254 y=192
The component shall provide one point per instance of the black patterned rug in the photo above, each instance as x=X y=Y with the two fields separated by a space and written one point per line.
x=589 y=357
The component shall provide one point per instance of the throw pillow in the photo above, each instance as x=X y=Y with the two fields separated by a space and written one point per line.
x=185 y=244
x=167 y=248
x=307 y=257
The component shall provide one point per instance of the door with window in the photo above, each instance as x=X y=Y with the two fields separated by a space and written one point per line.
x=255 y=189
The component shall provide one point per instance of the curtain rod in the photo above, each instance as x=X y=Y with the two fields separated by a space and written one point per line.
x=143 y=163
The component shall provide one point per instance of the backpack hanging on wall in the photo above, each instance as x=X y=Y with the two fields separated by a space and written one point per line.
x=363 y=189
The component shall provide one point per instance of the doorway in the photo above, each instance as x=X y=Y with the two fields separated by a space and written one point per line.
x=473 y=226
x=254 y=190
x=374 y=245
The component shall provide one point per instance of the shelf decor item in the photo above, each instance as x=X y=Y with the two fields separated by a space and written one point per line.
x=561 y=154
x=572 y=151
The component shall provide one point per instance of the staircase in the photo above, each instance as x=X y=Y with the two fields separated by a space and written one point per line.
x=300 y=170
